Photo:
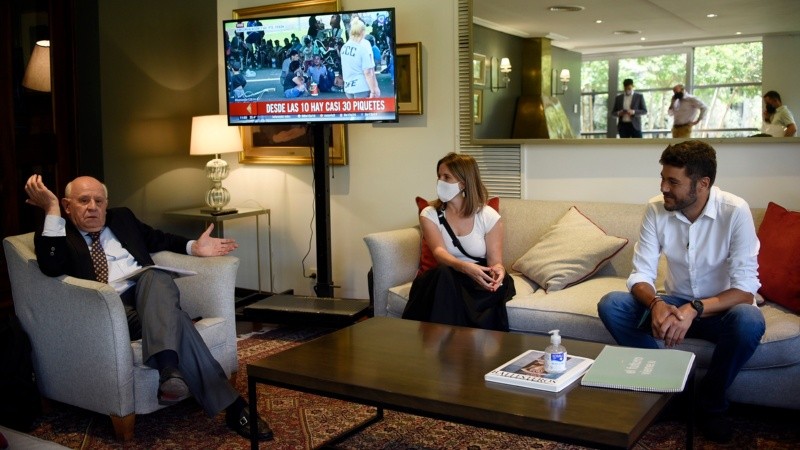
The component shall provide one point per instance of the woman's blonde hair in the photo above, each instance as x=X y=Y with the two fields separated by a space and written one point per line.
x=465 y=169
x=357 y=28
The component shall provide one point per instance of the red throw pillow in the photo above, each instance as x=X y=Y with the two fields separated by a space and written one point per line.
x=426 y=259
x=779 y=258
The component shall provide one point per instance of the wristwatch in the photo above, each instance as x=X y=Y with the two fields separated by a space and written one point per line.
x=698 y=306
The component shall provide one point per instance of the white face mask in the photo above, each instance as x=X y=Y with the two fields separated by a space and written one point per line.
x=447 y=191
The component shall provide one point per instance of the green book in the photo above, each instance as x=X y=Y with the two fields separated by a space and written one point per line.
x=640 y=369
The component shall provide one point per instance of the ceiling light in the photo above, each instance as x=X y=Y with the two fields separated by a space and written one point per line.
x=642 y=38
x=624 y=32
x=711 y=16
x=565 y=8
x=598 y=21
x=738 y=33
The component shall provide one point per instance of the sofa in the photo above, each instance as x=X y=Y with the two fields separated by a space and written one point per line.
x=770 y=378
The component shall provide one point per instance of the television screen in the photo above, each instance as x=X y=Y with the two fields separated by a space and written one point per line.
x=326 y=68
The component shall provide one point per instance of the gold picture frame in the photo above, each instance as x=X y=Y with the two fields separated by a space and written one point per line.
x=408 y=67
x=478 y=69
x=477 y=106
x=288 y=144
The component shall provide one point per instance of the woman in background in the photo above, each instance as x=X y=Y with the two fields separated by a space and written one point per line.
x=470 y=286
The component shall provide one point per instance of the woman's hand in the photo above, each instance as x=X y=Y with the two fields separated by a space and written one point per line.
x=489 y=278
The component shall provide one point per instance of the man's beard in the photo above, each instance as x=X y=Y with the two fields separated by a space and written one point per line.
x=684 y=203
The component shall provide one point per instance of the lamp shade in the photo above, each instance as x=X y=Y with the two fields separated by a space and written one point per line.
x=211 y=135
x=565 y=75
x=37 y=74
x=505 y=65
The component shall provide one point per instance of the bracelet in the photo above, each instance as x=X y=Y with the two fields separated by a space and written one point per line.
x=653 y=302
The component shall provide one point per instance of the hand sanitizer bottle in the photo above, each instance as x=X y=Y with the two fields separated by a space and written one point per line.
x=555 y=355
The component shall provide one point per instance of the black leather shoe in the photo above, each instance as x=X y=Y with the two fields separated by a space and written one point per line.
x=171 y=387
x=241 y=425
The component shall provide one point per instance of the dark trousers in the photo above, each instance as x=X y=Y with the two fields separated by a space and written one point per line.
x=627 y=130
x=165 y=326
x=443 y=295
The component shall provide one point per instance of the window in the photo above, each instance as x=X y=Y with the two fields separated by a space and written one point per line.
x=727 y=78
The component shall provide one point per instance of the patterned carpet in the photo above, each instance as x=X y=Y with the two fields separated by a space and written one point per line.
x=303 y=421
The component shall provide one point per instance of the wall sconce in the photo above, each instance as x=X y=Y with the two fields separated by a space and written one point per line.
x=505 y=69
x=564 y=78
x=37 y=74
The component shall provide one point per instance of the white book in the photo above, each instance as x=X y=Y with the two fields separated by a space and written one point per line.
x=527 y=370
x=177 y=273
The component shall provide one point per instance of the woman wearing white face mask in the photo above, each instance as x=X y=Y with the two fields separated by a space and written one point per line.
x=469 y=286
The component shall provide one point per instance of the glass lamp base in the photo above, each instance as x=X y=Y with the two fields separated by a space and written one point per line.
x=218 y=212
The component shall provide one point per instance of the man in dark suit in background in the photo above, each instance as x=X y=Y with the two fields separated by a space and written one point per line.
x=103 y=244
x=628 y=108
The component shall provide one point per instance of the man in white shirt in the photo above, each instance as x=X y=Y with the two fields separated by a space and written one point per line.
x=777 y=117
x=684 y=110
x=709 y=240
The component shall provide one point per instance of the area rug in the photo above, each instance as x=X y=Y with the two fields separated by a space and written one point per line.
x=304 y=421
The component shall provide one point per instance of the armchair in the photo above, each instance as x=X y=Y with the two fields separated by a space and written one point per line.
x=82 y=352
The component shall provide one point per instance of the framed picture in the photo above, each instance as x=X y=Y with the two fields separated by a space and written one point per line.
x=288 y=144
x=478 y=69
x=477 y=106
x=408 y=67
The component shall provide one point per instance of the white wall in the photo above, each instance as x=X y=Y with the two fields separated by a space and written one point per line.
x=630 y=174
x=781 y=60
x=392 y=163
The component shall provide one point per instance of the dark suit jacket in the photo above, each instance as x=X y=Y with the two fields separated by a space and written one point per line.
x=69 y=255
x=637 y=104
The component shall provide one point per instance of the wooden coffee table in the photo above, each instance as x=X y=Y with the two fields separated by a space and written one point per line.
x=437 y=371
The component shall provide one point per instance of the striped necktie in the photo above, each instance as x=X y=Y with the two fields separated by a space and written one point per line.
x=98 y=258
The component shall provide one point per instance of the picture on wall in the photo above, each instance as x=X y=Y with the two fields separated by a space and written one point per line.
x=478 y=69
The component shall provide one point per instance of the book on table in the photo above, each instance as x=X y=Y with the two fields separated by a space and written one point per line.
x=640 y=369
x=527 y=370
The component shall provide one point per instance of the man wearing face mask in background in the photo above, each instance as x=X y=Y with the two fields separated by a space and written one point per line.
x=778 y=120
x=469 y=286
x=684 y=109
x=629 y=108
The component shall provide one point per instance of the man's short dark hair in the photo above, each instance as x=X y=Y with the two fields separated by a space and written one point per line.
x=773 y=95
x=699 y=159
x=627 y=82
x=293 y=53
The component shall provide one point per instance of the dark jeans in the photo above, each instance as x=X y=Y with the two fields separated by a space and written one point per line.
x=736 y=333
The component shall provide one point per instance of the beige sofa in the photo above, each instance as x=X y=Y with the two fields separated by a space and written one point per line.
x=770 y=378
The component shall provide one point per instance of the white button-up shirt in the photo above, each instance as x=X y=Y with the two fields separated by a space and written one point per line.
x=717 y=252
x=684 y=110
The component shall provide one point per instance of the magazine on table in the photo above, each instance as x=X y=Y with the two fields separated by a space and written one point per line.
x=527 y=370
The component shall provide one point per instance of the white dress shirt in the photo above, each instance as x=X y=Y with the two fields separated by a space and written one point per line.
x=626 y=105
x=717 y=252
x=685 y=109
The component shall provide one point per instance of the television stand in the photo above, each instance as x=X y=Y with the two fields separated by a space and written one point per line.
x=322 y=201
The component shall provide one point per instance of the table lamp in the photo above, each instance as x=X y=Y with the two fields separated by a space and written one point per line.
x=37 y=74
x=211 y=135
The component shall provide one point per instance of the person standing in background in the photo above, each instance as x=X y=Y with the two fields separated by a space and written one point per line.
x=684 y=110
x=778 y=120
x=629 y=108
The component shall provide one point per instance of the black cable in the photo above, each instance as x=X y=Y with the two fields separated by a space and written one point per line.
x=313 y=203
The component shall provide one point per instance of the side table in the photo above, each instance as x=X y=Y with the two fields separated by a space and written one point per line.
x=218 y=221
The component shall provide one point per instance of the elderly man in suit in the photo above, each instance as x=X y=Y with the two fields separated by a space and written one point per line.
x=628 y=108
x=104 y=244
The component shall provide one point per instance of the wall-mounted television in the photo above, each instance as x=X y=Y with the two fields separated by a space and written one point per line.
x=312 y=68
